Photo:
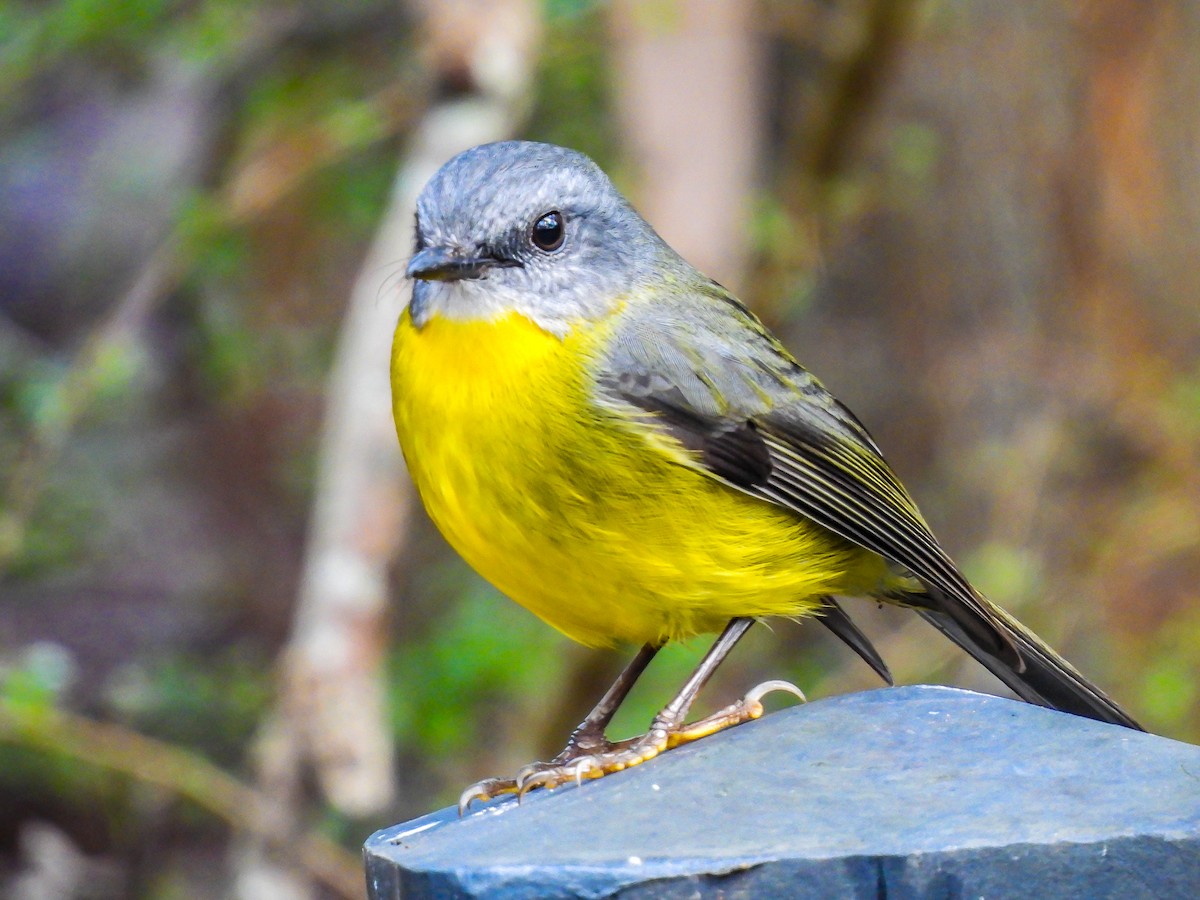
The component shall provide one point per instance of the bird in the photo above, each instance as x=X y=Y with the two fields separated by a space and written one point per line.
x=618 y=444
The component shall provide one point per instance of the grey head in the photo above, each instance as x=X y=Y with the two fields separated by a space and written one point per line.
x=531 y=228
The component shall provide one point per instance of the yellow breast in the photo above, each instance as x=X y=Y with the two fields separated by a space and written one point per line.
x=580 y=514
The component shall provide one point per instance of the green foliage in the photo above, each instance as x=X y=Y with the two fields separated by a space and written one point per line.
x=28 y=774
x=53 y=540
x=113 y=375
x=30 y=689
x=1169 y=678
x=1168 y=691
x=213 y=30
x=211 y=702
x=558 y=10
x=34 y=681
x=215 y=250
x=916 y=149
x=1181 y=406
x=37 y=397
x=572 y=100
x=38 y=38
x=481 y=653
x=43 y=36
x=784 y=248
x=1009 y=575
x=229 y=353
x=350 y=199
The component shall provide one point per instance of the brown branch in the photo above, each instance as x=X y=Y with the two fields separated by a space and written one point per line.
x=184 y=773
x=859 y=84
x=334 y=688
x=118 y=333
x=77 y=388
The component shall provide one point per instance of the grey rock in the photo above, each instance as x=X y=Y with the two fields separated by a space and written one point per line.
x=915 y=792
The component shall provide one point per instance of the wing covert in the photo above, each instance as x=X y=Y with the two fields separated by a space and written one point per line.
x=749 y=414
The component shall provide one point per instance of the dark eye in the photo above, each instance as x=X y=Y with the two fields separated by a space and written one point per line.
x=548 y=231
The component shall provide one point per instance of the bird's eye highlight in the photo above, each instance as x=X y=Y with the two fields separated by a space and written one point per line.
x=548 y=231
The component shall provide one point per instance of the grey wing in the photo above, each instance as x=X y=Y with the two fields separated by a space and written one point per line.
x=714 y=379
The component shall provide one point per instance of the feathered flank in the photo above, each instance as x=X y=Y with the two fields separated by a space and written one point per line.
x=773 y=431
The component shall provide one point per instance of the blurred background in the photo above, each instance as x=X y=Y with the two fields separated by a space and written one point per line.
x=231 y=645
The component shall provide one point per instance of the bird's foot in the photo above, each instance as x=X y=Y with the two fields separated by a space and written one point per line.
x=585 y=743
x=589 y=754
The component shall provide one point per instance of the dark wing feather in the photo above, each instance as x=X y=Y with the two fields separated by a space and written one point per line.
x=833 y=617
x=714 y=379
x=772 y=430
x=853 y=492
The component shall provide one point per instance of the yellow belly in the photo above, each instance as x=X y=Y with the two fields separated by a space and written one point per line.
x=576 y=514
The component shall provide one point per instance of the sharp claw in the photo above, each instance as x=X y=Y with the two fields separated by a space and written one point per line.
x=540 y=779
x=474 y=792
x=759 y=691
x=582 y=765
x=576 y=764
x=528 y=771
x=485 y=790
x=531 y=773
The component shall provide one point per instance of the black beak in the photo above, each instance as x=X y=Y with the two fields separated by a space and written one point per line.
x=442 y=264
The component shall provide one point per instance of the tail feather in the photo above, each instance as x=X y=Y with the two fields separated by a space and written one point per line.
x=1041 y=676
x=833 y=617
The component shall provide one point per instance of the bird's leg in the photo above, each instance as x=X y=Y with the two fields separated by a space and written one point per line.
x=668 y=728
x=673 y=714
x=586 y=740
x=749 y=707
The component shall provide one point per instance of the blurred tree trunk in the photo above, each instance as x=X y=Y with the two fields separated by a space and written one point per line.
x=333 y=715
x=689 y=79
